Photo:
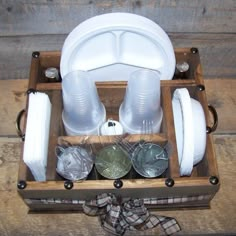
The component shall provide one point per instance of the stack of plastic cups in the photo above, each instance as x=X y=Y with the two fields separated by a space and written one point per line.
x=141 y=102
x=83 y=113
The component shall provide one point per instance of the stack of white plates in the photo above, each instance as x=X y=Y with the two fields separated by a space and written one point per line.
x=111 y=46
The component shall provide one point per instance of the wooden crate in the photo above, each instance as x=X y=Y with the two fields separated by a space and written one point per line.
x=170 y=190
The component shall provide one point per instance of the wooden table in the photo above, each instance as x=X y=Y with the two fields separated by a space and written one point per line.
x=219 y=219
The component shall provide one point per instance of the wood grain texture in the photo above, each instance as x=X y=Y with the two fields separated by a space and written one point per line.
x=60 y=17
x=27 y=26
x=217 y=52
x=14 y=220
x=55 y=131
x=168 y=121
x=12 y=101
x=220 y=93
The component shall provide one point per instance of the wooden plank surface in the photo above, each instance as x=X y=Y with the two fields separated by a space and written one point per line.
x=12 y=101
x=27 y=26
x=220 y=93
x=60 y=17
x=217 y=52
x=14 y=220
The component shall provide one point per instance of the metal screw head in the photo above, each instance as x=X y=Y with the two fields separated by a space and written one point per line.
x=200 y=87
x=194 y=50
x=118 y=183
x=68 y=184
x=21 y=184
x=169 y=182
x=208 y=130
x=31 y=90
x=35 y=54
x=214 y=180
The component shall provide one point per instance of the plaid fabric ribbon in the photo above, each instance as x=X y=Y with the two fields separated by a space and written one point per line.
x=117 y=216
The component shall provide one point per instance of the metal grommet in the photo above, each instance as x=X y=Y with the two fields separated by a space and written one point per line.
x=118 y=183
x=35 y=54
x=169 y=182
x=200 y=87
x=214 y=180
x=68 y=184
x=194 y=50
x=21 y=184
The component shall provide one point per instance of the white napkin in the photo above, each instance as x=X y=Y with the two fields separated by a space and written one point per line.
x=37 y=135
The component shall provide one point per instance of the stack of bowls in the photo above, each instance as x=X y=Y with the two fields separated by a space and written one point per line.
x=190 y=130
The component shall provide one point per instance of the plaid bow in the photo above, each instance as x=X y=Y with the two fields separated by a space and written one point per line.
x=117 y=216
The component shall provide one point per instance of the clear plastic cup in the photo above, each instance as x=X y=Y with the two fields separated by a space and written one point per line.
x=141 y=102
x=83 y=113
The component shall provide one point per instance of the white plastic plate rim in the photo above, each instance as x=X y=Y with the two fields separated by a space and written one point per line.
x=112 y=19
x=186 y=163
x=199 y=131
x=146 y=27
x=167 y=66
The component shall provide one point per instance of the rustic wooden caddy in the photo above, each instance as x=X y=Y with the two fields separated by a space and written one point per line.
x=171 y=190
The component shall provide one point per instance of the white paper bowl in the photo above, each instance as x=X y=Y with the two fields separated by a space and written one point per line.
x=199 y=131
x=182 y=111
x=190 y=130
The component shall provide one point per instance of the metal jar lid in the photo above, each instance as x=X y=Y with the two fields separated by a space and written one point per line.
x=52 y=73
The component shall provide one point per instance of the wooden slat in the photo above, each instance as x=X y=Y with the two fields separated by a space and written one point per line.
x=220 y=93
x=55 y=131
x=117 y=93
x=59 y=17
x=216 y=52
x=12 y=101
x=34 y=72
x=168 y=121
x=16 y=53
x=220 y=219
x=76 y=140
x=208 y=164
x=72 y=208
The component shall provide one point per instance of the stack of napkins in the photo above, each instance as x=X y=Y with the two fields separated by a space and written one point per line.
x=37 y=134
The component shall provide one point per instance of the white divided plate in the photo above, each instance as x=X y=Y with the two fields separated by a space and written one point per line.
x=111 y=46
x=183 y=121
